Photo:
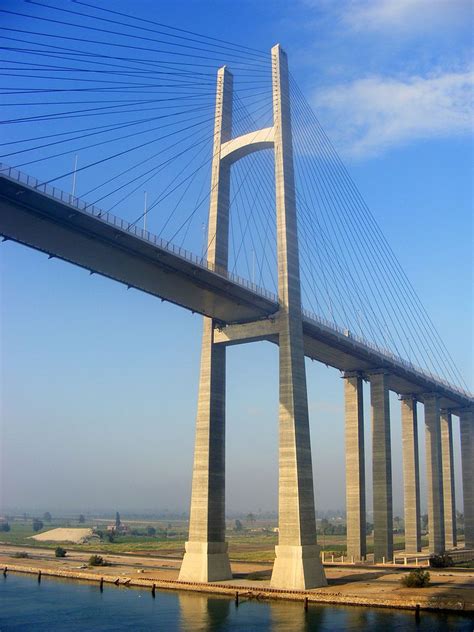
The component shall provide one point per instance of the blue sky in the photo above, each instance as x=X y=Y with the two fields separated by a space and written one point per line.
x=99 y=384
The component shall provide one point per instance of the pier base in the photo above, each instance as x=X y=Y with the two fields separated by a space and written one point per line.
x=205 y=562
x=298 y=568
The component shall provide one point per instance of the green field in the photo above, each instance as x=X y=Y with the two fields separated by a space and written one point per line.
x=250 y=545
x=21 y=532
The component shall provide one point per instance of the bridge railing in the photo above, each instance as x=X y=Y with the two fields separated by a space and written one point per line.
x=131 y=227
x=370 y=346
x=128 y=227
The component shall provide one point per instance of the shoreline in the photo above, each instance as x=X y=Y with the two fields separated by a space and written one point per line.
x=247 y=589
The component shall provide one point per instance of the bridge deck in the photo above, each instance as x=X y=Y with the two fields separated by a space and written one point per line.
x=60 y=225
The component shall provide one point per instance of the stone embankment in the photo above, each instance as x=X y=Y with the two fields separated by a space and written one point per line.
x=447 y=595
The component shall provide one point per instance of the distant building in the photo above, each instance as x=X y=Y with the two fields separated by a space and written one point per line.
x=121 y=529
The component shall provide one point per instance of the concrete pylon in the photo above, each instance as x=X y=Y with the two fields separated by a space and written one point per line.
x=466 y=422
x=434 y=474
x=381 y=466
x=411 y=474
x=206 y=557
x=297 y=563
x=355 y=467
x=449 y=498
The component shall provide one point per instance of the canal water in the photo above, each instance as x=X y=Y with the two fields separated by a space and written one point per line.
x=73 y=606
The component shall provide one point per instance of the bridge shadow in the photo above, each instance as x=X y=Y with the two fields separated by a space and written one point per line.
x=263 y=575
x=353 y=578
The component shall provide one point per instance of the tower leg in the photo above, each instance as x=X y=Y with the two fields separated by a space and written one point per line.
x=297 y=564
x=206 y=556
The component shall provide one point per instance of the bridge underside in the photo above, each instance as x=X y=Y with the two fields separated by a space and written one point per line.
x=61 y=230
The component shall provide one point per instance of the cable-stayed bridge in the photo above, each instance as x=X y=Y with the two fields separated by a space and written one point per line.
x=55 y=222
x=267 y=203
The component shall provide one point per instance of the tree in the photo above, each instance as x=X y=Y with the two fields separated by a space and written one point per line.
x=37 y=524
x=97 y=560
x=238 y=526
x=60 y=552
x=82 y=519
x=117 y=520
x=441 y=561
x=250 y=518
x=4 y=526
x=416 y=579
x=47 y=516
x=151 y=531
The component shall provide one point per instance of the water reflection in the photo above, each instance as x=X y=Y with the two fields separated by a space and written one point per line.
x=291 y=617
x=356 y=619
x=199 y=612
x=56 y=606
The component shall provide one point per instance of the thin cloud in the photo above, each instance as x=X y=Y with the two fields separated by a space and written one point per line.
x=406 y=15
x=367 y=117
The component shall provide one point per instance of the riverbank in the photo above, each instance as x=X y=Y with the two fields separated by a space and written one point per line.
x=449 y=589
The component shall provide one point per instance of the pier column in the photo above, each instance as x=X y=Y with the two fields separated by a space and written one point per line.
x=206 y=557
x=297 y=564
x=381 y=466
x=411 y=474
x=449 y=498
x=434 y=474
x=355 y=467
x=466 y=421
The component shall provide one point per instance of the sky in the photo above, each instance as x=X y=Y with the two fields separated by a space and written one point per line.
x=99 y=384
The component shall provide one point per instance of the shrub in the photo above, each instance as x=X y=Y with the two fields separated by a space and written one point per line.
x=21 y=554
x=60 y=552
x=416 y=579
x=151 y=531
x=441 y=561
x=97 y=560
x=4 y=526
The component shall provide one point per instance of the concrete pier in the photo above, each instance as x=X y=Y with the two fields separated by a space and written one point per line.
x=297 y=564
x=381 y=466
x=434 y=474
x=466 y=420
x=449 y=498
x=411 y=474
x=206 y=557
x=355 y=467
